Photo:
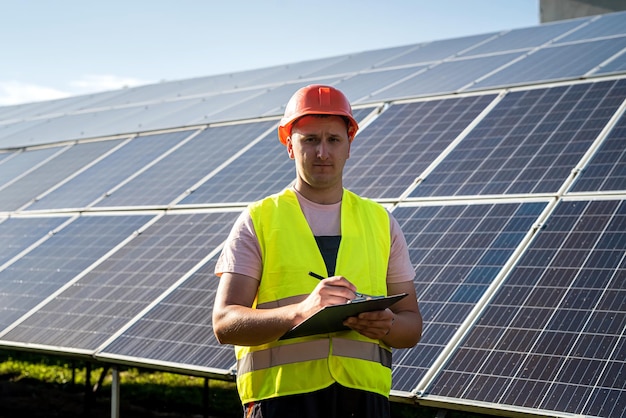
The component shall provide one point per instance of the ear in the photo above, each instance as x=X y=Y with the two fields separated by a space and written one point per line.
x=290 y=148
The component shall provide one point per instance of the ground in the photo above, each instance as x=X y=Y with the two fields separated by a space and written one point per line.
x=28 y=398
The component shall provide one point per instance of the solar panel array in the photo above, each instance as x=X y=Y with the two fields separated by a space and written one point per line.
x=505 y=168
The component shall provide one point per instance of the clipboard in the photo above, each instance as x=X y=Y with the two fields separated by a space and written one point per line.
x=330 y=318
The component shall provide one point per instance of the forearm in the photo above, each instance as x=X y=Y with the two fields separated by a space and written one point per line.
x=240 y=325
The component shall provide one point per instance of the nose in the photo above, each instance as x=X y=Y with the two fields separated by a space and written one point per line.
x=322 y=150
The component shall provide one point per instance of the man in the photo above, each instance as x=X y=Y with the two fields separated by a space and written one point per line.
x=265 y=288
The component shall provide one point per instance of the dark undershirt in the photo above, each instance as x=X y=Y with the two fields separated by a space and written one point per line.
x=329 y=247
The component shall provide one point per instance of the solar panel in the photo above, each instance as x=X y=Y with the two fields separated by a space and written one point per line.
x=269 y=101
x=472 y=142
x=553 y=337
x=51 y=265
x=297 y=71
x=17 y=234
x=362 y=86
x=249 y=178
x=529 y=142
x=446 y=77
x=547 y=63
x=437 y=50
x=109 y=172
x=196 y=110
x=457 y=252
x=23 y=161
x=93 y=308
x=607 y=169
x=616 y=65
x=22 y=191
x=6 y=156
x=163 y=182
x=526 y=38
x=178 y=331
x=363 y=61
x=604 y=25
x=392 y=152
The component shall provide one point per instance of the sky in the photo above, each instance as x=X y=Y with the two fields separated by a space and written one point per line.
x=54 y=49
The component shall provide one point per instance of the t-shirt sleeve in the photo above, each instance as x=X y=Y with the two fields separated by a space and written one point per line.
x=400 y=268
x=241 y=253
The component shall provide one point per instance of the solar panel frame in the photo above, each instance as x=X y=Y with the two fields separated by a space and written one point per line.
x=546 y=63
x=429 y=52
x=168 y=179
x=552 y=337
x=249 y=178
x=91 y=309
x=446 y=77
x=606 y=170
x=19 y=233
x=55 y=170
x=397 y=147
x=458 y=251
x=187 y=344
x=600 y=26
x=526 y=38
x=363 y=61
x=93 y=183
x=529 y=142
x=23 y=161
x=45 y=269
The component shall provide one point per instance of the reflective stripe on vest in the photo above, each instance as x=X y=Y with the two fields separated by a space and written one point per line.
x=313 y=350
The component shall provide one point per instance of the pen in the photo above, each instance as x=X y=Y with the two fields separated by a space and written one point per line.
x=319 y=277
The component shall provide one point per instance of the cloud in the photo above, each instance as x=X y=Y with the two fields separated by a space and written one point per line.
x=15 y=92
x=103 y=82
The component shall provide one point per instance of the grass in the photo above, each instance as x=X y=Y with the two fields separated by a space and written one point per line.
x=148 y=391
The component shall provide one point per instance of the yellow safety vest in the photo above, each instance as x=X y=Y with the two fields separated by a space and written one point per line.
x=289 y=252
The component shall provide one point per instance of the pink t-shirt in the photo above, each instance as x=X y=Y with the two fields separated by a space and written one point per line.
x=242 y=254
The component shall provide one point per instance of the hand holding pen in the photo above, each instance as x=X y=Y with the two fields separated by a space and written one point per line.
x=359 y=296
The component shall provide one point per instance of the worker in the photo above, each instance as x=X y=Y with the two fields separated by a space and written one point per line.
x=354 y=244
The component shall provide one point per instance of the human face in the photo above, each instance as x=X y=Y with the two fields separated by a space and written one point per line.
x=320 y=148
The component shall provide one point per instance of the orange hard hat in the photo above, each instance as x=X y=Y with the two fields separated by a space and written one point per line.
x=316 y=100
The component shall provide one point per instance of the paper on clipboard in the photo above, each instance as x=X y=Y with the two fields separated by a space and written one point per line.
x=330 y=318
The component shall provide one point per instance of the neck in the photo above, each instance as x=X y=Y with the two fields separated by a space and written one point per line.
x=322 y=196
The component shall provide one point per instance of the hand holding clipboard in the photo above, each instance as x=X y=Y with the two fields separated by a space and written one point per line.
x=330 y=318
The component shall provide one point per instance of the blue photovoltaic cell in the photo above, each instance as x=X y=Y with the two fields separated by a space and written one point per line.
x=22 y=162
x=251 y=177
x=525 y=38
x=362 y=86
x=91 y=310
x=529 y=143
x=5 y=156
x=17 y=234
x=263 y=169
x=55 y=262
x=162 y=183
x=98 y=179
x=436 y=50
x=446 y=77
x=610 y=24
x=547 y=63
x=607 y=169
x=457 y=252
x=616 y=65
x=366 y=60
x=179 y=330
x=57 y=169
x=387 y=156
x=553 y=336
